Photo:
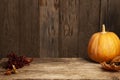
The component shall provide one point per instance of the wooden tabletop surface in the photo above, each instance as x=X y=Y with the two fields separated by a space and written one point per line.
x=60 y=68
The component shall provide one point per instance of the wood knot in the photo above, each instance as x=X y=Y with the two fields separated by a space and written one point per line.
x=68 y=31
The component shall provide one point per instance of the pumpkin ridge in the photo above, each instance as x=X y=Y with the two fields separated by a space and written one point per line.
x=95 y=49
x=116 y=42
x=110 y=42
x=91 y=42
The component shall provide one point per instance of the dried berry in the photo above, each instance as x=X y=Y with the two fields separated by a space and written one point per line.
x=18 y=61
x=14 y=62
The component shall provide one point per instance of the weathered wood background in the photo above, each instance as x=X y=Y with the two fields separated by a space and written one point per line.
x=54 y=28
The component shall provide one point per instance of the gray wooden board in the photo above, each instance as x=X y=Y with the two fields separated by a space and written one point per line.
x=61 y=68
x=49 y=26
x=114 y=16
x=29 y=28
x=9 y=27
x=88 y=23
x=69 y=12
x=103 y=13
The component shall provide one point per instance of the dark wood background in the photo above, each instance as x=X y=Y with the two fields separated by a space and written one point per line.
x=54 y=28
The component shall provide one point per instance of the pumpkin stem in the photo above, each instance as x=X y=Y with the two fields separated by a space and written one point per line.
x=103 y=28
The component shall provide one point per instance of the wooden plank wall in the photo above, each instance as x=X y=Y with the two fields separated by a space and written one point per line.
x=49 y=28
x=9 y=26
x=54 y=28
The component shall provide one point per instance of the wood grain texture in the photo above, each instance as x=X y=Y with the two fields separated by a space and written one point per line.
x=114 y=16
x=9 y=27
x=49 y=28
x=88 y=23
x=61 y=69
x=29 y=28
x=104 y=14
x=69 y=28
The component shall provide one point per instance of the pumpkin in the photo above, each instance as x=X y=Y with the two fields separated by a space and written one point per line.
x=103 y=46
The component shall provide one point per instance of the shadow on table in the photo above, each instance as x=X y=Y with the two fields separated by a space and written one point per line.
x=3 y=64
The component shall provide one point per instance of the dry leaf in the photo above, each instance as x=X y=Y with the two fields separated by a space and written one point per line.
x=114 y=65
x=116 y=59
x=110 y=67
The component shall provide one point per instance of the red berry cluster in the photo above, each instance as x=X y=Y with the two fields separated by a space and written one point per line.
x=18 y=61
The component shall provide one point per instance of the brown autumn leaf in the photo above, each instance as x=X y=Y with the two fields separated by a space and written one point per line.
x=114 y=65
x=116 y=59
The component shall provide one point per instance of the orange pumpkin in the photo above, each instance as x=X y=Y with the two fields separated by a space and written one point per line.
x=103 y=46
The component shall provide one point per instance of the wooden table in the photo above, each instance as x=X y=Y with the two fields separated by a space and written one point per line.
x=61 y=68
